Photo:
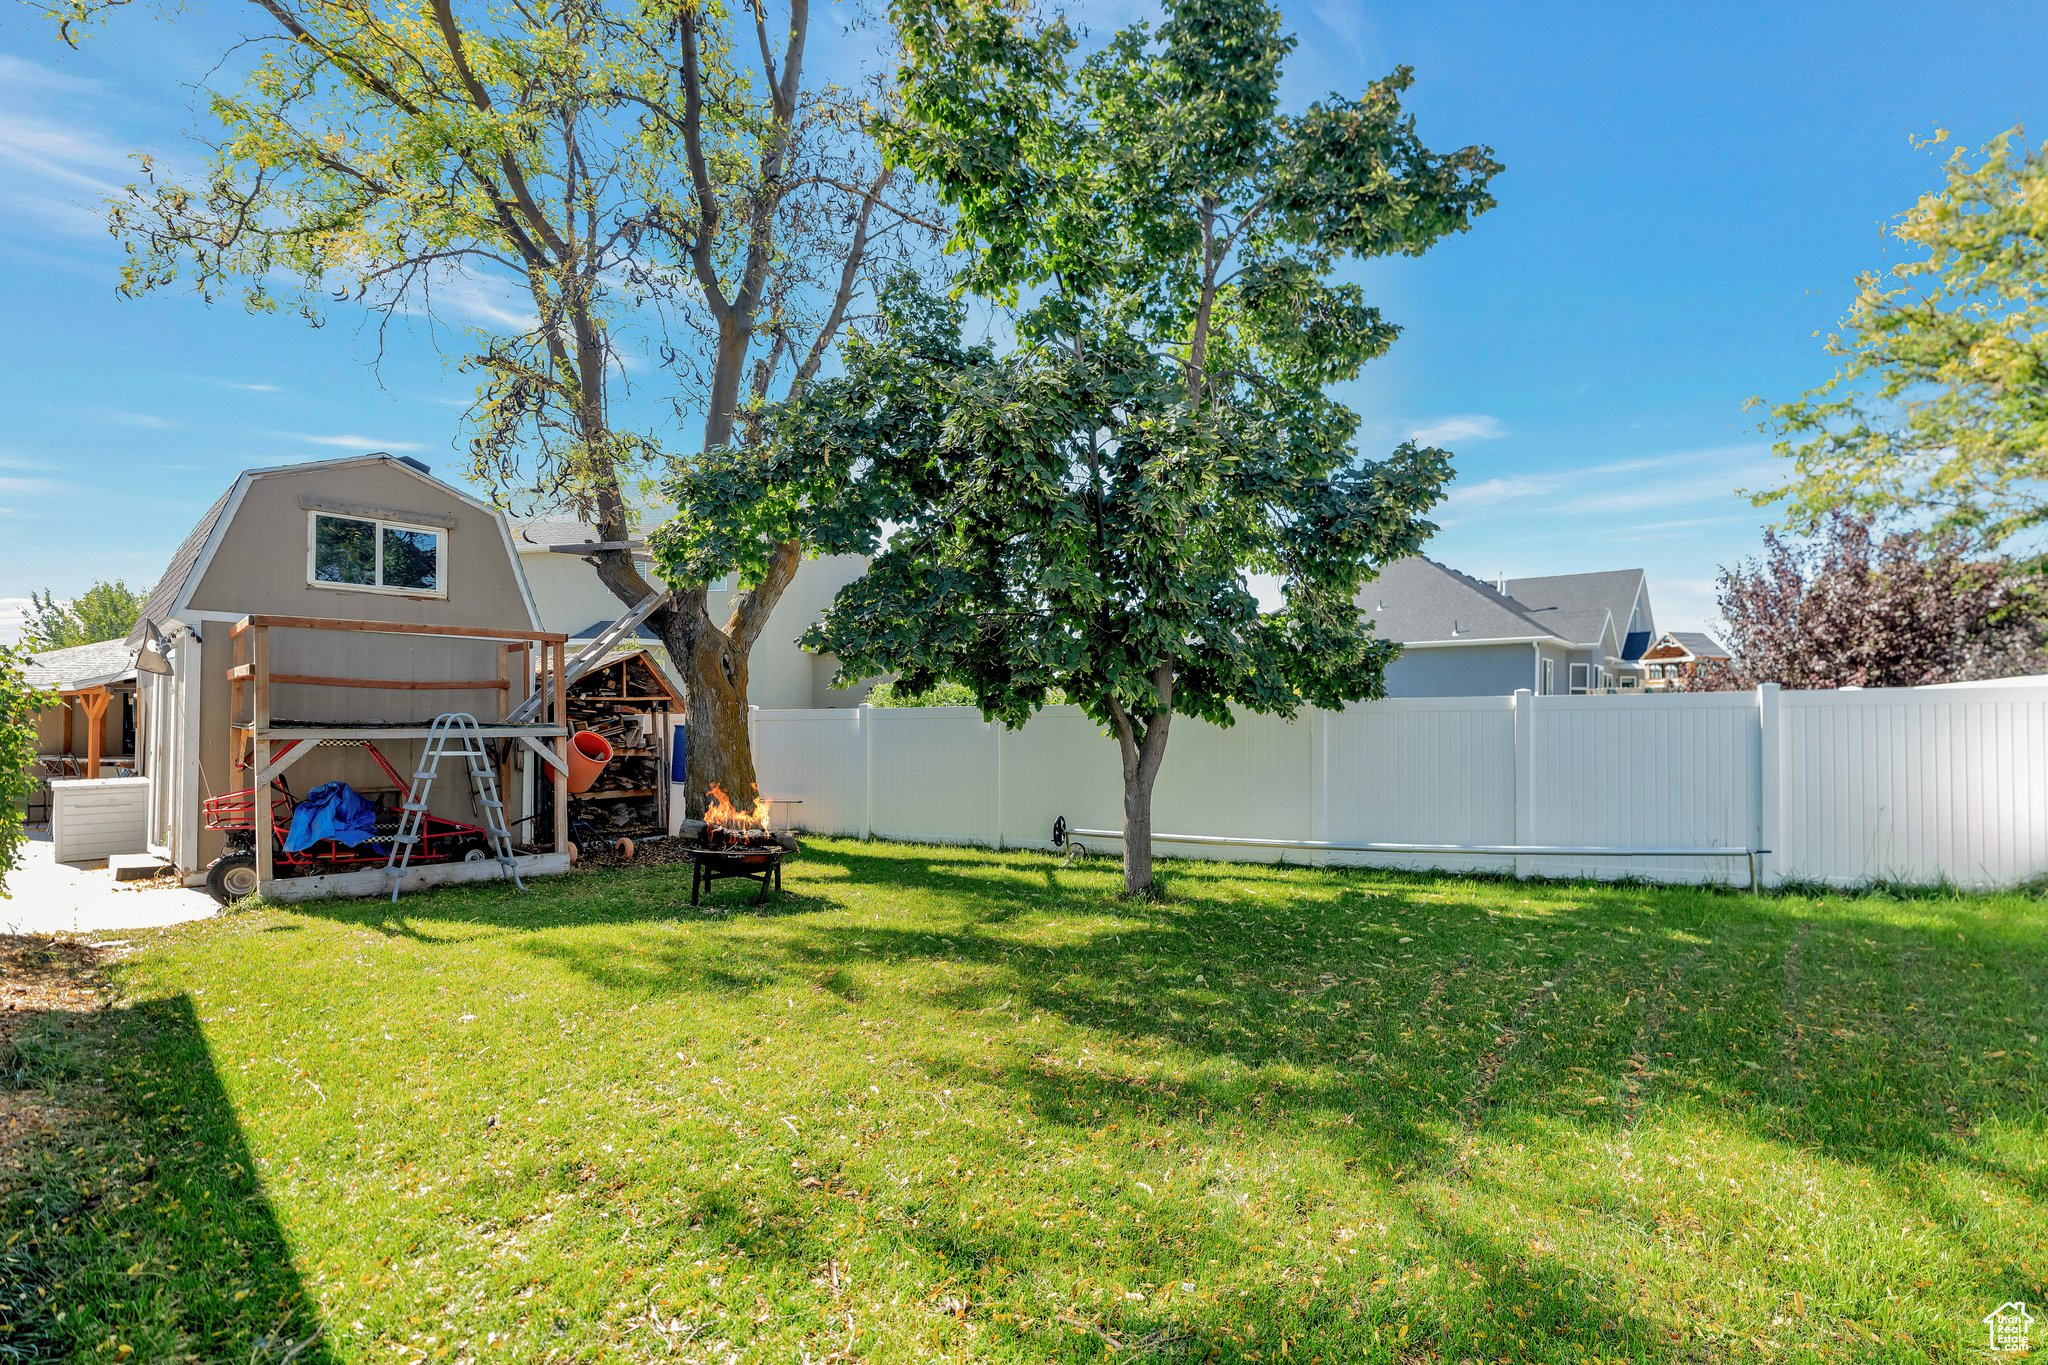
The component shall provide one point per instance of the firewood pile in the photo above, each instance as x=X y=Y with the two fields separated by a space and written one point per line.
x=622 y=701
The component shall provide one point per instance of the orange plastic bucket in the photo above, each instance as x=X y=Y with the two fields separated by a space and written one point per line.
x=588 y=753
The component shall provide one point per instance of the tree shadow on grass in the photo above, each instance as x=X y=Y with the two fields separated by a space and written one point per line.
x=144 y=1223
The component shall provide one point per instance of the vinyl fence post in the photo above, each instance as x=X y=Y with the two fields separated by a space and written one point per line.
x=867 y=735
x=995 y=791
x=1770 y=772
x=1319 y=783
x=1525 y=773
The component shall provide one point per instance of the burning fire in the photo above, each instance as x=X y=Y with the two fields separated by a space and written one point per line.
x=722 y=814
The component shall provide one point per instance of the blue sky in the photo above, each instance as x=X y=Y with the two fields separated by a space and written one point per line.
x=1689 y=192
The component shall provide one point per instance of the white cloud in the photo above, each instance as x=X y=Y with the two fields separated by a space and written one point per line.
x=491 y=300
x=13 y=616
x=147 y=421
x=18 y=73
x=56 y=168
x=1687 y=604
x=1471 y=426
x=364 y=444
x=1691 y=479
x=247 y=388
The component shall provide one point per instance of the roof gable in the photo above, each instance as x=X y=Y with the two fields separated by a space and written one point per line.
x=1417 y=600
x=1581 y=607
x=173 y=592
x=1693 y=644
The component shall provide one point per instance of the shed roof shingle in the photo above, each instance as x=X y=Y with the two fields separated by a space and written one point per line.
x=56 y=669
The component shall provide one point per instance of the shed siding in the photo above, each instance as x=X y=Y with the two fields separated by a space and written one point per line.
x=260 y=568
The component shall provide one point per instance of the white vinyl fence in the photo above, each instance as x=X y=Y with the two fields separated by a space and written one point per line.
x=1915 y=785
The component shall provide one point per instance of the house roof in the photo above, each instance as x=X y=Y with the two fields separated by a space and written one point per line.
x=1697 y=643
x=188 y=561
x=163 y=599
x=1417 y=599
x=1579 y=606
x=532 y=534
x=56 y=670
x=643 y=631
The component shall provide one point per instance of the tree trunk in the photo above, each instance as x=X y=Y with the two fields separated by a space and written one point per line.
x=714 y=663
x=1143 y=742
x=1137 y=834
x=715 y=714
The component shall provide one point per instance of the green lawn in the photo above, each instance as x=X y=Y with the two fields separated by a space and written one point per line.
x=948 y=1104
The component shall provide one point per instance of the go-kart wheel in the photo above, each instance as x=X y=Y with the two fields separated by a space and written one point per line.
x=476 y=853
x=231 y=876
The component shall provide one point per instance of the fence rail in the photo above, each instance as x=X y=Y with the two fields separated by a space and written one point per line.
x=1915 y=785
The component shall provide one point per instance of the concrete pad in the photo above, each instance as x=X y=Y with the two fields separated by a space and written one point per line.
x=371 y=881
x=135 y=867
x=45 y=896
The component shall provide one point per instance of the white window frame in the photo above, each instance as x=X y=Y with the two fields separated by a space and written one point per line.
x=439 y=533
x=1549 y=684
x=1582 y=679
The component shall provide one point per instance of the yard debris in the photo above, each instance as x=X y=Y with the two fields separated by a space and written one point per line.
x=39 y=976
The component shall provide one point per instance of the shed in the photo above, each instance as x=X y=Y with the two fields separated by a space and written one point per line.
x=319 y=606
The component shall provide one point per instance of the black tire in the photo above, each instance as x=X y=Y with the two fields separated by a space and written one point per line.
x=231 y=877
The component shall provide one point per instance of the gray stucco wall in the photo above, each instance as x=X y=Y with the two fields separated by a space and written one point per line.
x=1464 y=671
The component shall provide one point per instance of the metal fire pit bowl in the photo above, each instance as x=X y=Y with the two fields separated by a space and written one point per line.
x=747 y=862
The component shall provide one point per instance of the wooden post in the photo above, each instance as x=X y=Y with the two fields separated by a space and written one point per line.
x=505 y=704
x=67 y=703
x=95 y=704
x=235 y=681
x=259 y=753
x=559 y=682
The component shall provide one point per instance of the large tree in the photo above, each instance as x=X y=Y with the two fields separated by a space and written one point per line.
x=1939 y=408
x=660 y=167
x=1856 y=607
x=104 y=611
x=1083 y=511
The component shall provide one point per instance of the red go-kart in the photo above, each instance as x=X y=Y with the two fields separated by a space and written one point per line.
x=233 y=875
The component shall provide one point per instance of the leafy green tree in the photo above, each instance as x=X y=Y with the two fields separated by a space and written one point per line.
x=661 y=169
x=104 y=611
x=19 y=705
x=1083 y=511
x=1940 y=406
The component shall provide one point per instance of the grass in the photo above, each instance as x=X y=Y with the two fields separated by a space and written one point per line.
x=948 y=1104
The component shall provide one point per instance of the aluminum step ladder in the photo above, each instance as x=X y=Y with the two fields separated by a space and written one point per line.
x=454 y=734
x=591 y=655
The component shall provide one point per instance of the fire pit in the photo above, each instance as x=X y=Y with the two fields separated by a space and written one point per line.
x=735 y=843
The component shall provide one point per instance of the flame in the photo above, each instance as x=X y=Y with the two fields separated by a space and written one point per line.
x=723 y=814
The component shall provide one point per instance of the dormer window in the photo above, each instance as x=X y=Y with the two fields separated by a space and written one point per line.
x=374 y=555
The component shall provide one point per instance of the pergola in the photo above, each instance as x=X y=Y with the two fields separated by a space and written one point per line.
x=92 y=696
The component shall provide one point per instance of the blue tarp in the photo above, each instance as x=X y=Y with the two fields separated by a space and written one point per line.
x=332 y=810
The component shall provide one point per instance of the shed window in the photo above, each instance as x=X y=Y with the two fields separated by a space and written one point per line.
x=377 y=556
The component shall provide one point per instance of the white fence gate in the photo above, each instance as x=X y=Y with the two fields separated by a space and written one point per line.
x=1915 y=785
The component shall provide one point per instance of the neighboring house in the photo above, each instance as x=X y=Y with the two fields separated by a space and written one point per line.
x=1681 y=656
x=92 y=726
x=368 y=538
x=781 y=674
x=1566 y=633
